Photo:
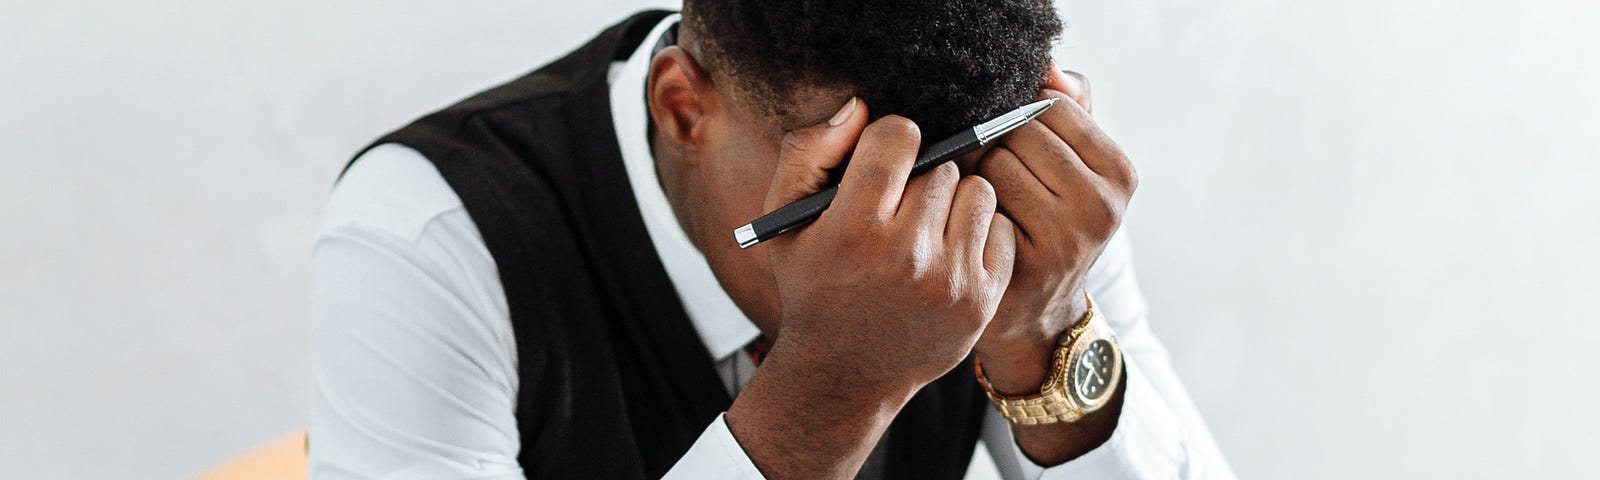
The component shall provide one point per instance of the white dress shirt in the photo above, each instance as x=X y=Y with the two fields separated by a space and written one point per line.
x=414 y=364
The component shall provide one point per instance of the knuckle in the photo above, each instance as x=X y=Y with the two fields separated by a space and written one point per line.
x=917 y=262
x=996 y=163
x=944 y=175
x=1005 y=154
x=895 y=127
x=1028 y=136
x=1109 y=211
x=1077 y=86
x=861 y=230
x=873 y=224
x=1036 y=131
x=1113 y=219
x=796 y=141
x=980 y=189
x=1083 y=80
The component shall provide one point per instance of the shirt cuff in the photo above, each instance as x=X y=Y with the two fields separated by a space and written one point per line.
x=1147 y=442
x=715 y=455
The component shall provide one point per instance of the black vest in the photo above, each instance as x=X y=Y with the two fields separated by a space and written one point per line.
x=615 y=383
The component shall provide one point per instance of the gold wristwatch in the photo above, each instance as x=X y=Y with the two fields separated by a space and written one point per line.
x=1083 y=376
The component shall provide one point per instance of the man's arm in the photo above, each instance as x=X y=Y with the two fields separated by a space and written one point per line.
x=412 y=356
x=882 y=294
x=1159 y=433
x=413 y=359
x=1066 y=184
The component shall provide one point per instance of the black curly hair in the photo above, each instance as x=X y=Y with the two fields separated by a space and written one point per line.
x=945 y=64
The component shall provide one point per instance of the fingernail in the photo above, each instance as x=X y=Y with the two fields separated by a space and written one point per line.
x=843 y=114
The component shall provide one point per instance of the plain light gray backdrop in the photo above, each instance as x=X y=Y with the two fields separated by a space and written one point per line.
x=1366 y=227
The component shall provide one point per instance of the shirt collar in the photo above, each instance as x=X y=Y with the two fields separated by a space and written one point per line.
x=721 y=325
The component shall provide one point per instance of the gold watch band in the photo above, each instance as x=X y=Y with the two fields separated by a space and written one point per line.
x=1053 y=403
x=1046 y=407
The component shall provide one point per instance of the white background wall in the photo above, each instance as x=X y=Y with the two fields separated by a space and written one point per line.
x=1367 y=227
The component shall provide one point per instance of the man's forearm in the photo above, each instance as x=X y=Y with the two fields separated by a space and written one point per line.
x=798 y=419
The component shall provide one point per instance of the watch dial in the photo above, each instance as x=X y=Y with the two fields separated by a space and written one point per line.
x=1093 y=370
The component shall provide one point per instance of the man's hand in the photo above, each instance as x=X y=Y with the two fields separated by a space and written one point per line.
x=1065 y=184
x=886 y=291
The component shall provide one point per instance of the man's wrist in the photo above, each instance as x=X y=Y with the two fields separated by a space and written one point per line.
x=1020 y=370
x=803 y=417
x=1021 y=363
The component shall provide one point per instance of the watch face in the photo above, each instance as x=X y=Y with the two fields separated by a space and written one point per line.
x=1092 y=372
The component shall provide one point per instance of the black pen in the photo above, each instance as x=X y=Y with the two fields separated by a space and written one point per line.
x=807 y=209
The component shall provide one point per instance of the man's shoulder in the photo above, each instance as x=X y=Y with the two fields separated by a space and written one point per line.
x=390 y=188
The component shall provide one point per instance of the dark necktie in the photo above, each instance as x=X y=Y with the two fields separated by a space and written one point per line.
x=757 y=349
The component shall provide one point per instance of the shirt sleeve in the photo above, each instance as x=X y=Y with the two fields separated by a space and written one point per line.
x=1159 y=433
x=412 y=357
x=715 y=455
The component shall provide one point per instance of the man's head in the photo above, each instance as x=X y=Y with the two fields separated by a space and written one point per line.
x=944 y=64
x=746 y=72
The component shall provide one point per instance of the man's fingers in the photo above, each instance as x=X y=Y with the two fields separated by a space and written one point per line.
x=1000 y=250
x=1074 y=84
x=980 y=237
x=970 y=213
x=876 y=178
x=1074 y=125
x=1078 y=89
x=1016 y=188
x=928 y=197
x=1049 y=158
x=808 y=153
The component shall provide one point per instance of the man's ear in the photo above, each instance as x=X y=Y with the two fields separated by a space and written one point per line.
x=681 y=99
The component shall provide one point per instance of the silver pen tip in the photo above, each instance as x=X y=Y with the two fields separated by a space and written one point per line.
x=1011 y=120
x=746 y=236
x=1040 y=106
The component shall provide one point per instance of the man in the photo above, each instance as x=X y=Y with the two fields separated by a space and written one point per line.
x=542 y=282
